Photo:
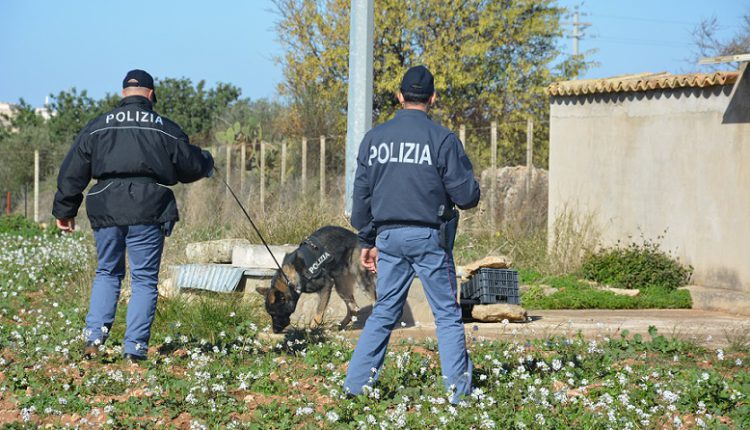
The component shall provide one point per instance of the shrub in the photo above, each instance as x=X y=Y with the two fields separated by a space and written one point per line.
x=636 y=265
x=16 y=224
x=575 y=294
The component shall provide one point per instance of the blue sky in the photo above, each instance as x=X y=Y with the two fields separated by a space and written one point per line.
x=48 y=46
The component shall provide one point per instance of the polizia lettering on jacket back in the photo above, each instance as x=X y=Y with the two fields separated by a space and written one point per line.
x=405 y=152
x=133 y=116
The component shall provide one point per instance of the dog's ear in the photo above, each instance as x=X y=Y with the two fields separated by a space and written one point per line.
x=263 y=291
x=298 y=262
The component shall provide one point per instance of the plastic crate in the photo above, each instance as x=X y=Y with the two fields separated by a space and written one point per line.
x=491 y=286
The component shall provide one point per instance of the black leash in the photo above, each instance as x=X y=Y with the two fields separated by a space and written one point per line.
x=247 y=215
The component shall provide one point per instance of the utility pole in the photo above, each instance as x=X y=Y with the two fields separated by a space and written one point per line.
x=578 y=27
x=359 y=114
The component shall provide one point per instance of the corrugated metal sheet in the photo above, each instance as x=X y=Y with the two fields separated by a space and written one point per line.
x=209 y=277
x=641 y=82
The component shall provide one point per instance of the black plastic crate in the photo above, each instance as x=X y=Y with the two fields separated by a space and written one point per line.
x=491 y=286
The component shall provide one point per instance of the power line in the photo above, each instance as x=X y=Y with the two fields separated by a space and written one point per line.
x=648 y=42
x=659 y=21
x=632 y=18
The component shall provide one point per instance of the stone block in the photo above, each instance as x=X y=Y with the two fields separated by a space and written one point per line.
x=498 y=312
x=257 y=256
x=213 y=251
x=167 y=288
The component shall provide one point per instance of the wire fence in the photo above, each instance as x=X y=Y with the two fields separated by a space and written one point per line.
x=253 y=167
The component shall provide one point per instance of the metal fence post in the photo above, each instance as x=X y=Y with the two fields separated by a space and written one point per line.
x=283 y=162
x=36 y=186
x=262 y=176
x=493 y=172
x=304 y=164
x=243 y=163
x=229 y=167
x=529 y=153
x=322 y=167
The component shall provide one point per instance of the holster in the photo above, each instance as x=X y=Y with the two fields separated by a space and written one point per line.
x=166 y=228
x=448 y=229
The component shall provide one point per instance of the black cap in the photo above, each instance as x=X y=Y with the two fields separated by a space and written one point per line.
x=419 y=81
x=139 y=78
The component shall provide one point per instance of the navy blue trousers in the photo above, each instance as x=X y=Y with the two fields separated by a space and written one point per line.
x=144 y=245
x=402 y=252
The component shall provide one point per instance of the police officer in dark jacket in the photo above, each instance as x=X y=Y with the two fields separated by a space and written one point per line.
x=410 y=174
x=134 y=154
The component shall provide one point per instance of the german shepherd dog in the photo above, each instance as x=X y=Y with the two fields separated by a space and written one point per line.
x=327 y=259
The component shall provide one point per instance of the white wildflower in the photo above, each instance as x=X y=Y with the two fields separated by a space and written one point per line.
x=307 y=410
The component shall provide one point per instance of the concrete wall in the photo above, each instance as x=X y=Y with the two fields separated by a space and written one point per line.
x=660 y=160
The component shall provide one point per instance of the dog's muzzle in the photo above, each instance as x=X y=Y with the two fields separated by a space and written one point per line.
x=278 y=324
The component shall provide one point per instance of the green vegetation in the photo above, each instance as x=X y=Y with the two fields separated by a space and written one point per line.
x=491 y=61
x=212 y=366
x=18 y=225
x=574 y=294
x=636 y=265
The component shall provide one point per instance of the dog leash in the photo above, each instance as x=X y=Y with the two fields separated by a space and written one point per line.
x=247 y=215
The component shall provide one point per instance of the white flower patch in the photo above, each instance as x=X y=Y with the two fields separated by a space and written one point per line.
x=306 y=410
x=556 y=365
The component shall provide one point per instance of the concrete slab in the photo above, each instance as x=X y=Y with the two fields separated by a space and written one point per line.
x=718 y=299
x=213 y=251
x=711 y=329
x=257 y=256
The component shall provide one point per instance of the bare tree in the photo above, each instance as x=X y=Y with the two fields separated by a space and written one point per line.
x=708 y=44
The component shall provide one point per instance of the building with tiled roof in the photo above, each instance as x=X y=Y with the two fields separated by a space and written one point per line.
x=653 y=153
x=641 y=82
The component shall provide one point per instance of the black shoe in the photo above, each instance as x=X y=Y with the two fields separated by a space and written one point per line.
x=90 y=350
x=133 y=358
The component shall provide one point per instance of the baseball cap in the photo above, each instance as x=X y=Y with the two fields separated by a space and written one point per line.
x=139 y=78
x=418 y=80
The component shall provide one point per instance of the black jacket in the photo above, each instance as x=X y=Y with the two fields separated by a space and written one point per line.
x=406 y=169
x=134 y=153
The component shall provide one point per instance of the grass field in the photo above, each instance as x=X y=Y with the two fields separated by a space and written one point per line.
x=211 y=366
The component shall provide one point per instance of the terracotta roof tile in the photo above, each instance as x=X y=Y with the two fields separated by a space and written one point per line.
x=641 y=82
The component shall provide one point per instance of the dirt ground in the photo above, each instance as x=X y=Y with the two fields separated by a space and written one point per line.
x=711 y=329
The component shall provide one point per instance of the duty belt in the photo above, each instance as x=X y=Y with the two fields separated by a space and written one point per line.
x=131 y=179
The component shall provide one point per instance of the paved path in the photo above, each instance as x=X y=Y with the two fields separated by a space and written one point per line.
x=712 y=329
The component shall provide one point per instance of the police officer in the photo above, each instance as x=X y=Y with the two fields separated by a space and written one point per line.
x=134 y=154
x=410 y=173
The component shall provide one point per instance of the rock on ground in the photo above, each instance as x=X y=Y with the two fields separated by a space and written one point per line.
x=546 y=289
x=498 y=312
x=493 y=262
x=621 y=291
